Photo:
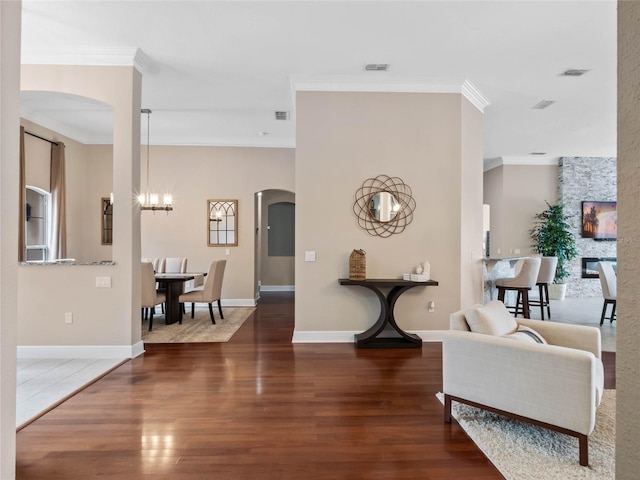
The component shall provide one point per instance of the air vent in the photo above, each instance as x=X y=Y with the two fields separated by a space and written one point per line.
x=573 y=72
x=282 y=115
x=543 y=104
x=538 y=153
x=376 y=67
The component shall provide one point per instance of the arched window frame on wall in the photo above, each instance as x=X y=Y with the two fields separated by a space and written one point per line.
x=37 y=224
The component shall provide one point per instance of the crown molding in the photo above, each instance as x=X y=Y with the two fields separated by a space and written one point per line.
x=119 y=56
x=529 y=160
x=370 y=83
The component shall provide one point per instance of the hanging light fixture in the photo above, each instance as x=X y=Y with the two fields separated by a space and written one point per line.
x=149 y=200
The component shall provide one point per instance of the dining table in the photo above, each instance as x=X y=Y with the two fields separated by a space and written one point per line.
x=173 y=284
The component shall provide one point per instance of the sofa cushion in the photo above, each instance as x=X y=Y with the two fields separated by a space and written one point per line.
x=526 y=334
x=491 y=319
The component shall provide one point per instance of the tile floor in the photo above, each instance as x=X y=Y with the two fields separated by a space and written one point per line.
x=44 y=382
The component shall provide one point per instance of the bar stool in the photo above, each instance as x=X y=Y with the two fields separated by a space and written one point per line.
x=524 y=281
x=545 y=276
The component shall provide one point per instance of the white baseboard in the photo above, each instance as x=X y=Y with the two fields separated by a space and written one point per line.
x=277 y=288
x=348 y=337
x=81 y=351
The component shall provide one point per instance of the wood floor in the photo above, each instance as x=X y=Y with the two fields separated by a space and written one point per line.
x=256 y=408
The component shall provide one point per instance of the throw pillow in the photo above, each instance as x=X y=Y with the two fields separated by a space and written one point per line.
x=526 y=334
x=491 y=319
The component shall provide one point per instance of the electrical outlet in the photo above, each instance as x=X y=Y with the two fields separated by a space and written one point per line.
x=103 y=282
x=68 y=317
x=431 y=306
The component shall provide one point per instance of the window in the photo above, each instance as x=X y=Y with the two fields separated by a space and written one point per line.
x=37 y=224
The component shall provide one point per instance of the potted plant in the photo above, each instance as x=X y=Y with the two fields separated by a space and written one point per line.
x=553 y=238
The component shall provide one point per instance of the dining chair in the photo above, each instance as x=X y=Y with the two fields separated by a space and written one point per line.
x=609 y=284
x=211 y=290
x=173 y=265
x=150 y=296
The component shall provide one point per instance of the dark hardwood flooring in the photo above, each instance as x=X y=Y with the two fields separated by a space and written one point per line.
x=257 y=407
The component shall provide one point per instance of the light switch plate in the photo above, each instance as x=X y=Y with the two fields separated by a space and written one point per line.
x=103 y=282
x=309 y=256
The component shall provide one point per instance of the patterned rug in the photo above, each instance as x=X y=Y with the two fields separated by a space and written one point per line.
x=522 y=451
x=198 y=329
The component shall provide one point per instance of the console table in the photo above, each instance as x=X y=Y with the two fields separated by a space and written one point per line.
x=370 y=338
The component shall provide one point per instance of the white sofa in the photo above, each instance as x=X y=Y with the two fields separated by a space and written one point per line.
x=557 y=385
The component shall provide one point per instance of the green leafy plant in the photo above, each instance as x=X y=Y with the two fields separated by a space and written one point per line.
x=553 y=238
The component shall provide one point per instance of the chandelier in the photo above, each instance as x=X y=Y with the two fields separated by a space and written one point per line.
x=150 y=200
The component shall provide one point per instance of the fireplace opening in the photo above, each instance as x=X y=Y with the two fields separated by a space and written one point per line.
x=590 y=265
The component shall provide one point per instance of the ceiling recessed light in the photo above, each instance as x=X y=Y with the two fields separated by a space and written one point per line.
x=573 y=72
x=543 y=104
x=376 y=67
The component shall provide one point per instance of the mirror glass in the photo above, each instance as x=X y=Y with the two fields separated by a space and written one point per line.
x=222 y=221
x=107 y=221
x=384 y=206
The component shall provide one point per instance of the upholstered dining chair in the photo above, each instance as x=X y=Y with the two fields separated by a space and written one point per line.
x=150 y=296
x=524 y=281
x=173 y=265
x=609 y=284
x=211 y=290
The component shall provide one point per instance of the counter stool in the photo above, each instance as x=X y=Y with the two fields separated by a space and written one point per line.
x=524 y=281
x=545 y=276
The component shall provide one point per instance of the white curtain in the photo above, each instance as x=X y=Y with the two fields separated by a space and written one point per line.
x=58 y=203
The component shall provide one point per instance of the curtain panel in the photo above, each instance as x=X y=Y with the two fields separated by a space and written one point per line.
x=58 y=203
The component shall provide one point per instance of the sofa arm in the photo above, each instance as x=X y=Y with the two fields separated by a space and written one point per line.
x=548 y=383
x=565 y=335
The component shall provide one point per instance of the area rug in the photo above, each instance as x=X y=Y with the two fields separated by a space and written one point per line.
x=522 y=451
x=198 y=329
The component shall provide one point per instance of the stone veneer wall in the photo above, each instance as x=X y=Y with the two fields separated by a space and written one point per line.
x=586 y=178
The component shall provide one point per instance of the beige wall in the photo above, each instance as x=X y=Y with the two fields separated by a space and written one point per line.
x=9 y=153
x=41 y=310
x=628 y=335
x=516 y=193
x=345 y=138
x=275 y=271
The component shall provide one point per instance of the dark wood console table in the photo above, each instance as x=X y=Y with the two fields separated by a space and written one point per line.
x=370 y=338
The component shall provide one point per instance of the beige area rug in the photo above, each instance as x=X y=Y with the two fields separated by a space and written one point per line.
x=522 y=451
x=198 y=329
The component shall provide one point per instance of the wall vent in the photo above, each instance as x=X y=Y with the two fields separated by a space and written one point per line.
x=573 y=72
x=543 y=104
x=376 y=67
x=538 y=153
x=282 y=115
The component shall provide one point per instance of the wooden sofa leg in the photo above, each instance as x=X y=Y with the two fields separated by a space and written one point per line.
x=583 y=445
x=447 y=408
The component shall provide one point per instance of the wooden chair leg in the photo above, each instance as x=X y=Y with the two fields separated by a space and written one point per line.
x=220 y=309
x=583 y=446
x=150 y=319
x=213 y=320
x=547 y=302
x=604 y=311
x=541 y=297
x=192 y=308
x=613 y=312
x=525 y=304
x=501 y=292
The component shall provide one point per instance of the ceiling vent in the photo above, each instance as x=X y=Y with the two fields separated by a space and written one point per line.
x=538 y=153
x=573 y=72
x=282 y=115
x=376 y=67
x=541 y=105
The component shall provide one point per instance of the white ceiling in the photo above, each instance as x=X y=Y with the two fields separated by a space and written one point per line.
x=214 y=72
